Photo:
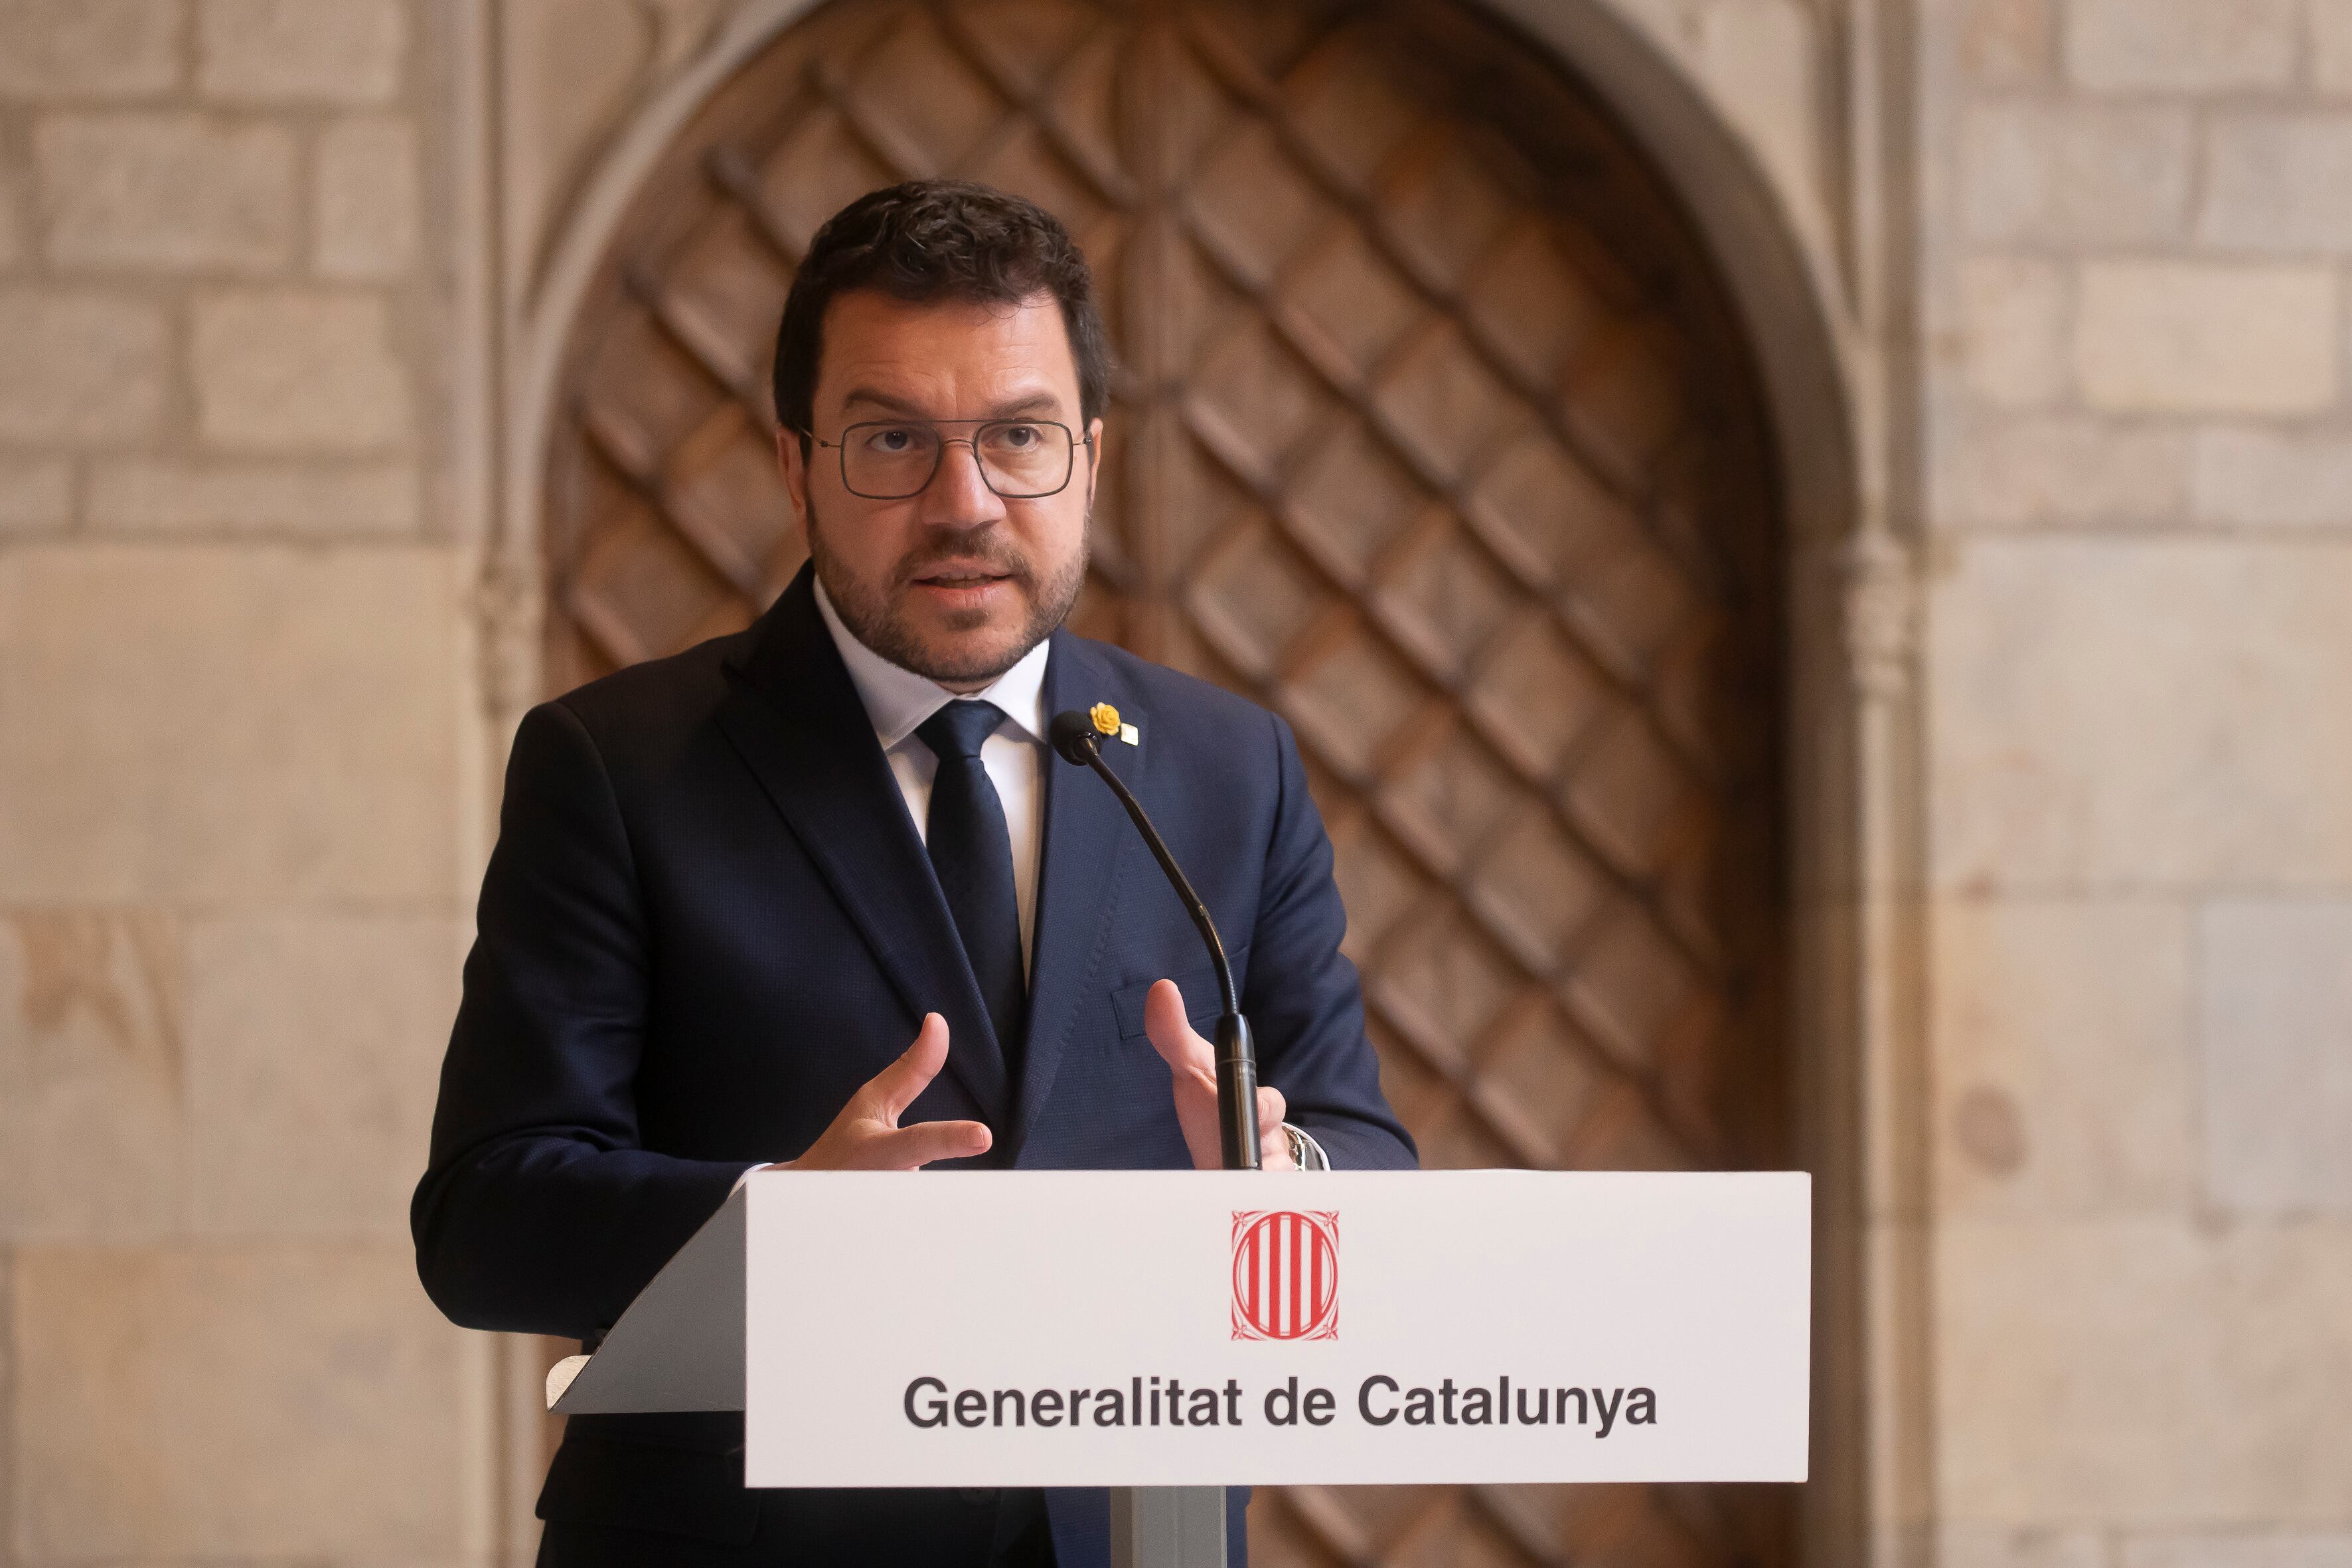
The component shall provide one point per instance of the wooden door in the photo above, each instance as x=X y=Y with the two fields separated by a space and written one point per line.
x=1435 y=433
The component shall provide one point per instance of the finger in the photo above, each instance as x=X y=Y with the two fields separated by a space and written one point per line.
x=894 y=1088
x=906 y=1148
x=1271 y=1109
x=1173 y=1035
x=1274 y=1151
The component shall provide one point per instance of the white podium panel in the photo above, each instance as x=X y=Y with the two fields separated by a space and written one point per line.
x=1190 y=1328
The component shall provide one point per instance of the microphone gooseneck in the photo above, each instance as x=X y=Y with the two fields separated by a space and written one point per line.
x=1075 y=739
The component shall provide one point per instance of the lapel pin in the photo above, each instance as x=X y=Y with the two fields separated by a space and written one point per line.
x=1106 y=720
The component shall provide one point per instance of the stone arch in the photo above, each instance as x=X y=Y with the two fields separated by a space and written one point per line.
x=1787 y=298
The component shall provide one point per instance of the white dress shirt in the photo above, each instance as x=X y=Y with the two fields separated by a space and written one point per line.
x=897 y=700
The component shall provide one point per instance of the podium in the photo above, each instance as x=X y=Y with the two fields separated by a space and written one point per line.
x=1153 y=1330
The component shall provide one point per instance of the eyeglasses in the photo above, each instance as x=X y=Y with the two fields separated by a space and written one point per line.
x=1020 y=460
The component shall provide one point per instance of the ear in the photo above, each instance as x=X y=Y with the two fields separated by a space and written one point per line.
x=793 y=463
x=1093 y=458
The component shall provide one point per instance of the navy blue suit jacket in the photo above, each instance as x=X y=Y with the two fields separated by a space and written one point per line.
x=708 y=919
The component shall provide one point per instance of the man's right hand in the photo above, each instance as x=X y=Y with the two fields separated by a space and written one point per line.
x=867 y=1136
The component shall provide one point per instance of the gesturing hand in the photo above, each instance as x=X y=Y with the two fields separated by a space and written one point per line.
x=1193 y=1062
x=867 y=1136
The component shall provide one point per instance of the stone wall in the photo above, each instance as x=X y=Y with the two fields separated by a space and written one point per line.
x=232 y=761
x=243 y=746
x=2139 y=671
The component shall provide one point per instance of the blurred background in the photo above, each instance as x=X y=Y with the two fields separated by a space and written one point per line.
x=1808 y=544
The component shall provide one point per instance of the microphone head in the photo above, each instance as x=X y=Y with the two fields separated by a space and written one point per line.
x=1072 y=735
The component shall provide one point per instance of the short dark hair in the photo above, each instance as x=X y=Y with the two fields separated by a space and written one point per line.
x=939 y=239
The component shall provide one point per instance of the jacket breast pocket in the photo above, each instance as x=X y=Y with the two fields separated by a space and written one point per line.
x=1199 y=986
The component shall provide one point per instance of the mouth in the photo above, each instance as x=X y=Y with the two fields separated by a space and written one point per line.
x=961 y=577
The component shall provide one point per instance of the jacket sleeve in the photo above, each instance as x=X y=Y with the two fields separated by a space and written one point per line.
x=1302 y=997
x=540 y=1213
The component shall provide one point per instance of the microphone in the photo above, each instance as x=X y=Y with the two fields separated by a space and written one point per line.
x=1075 y=739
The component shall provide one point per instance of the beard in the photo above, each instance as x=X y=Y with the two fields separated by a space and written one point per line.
x=873 y=613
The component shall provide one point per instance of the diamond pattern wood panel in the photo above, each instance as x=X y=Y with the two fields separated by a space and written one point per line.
x=1435 y=433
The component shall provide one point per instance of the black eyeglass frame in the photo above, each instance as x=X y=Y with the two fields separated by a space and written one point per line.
x=939 y=456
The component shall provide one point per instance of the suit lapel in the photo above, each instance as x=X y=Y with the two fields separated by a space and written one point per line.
x=1087 y=849
x=797 y=721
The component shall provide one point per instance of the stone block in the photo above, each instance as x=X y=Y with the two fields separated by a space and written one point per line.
x=2243 y=1549
x=2074 y=175
x=84 y=368
x=1963 y=1545
x=367 y=199
x=35 y=495
x=2144 y=1372
x=2278 y=182
x=2023 y=472
x=2140 y=714
x=298 y=51
x=314 y=500
x=2257 y=477
x=177 y=191
x=2008 y=43
x=217 y=723
x=93 y=1062
x=89 y=48
x=2193 y=337
x=298 y=370
x=573 y=69
x=314 y=1048
x=2182 y=46
x=287 y=1403
x=2331 y=47
x=2012 y=330
x=2064 y=1073
x=2276 y=1015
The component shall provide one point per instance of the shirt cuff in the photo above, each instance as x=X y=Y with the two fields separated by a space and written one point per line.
x=1306 y=1150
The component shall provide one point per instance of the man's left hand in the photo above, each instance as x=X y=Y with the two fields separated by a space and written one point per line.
x=1193 y=1062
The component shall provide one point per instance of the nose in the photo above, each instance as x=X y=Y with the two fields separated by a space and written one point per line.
x=958 y=497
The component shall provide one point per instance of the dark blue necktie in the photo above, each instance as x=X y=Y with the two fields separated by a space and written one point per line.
x=972 y=853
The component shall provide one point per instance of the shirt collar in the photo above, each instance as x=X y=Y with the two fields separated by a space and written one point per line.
x=898 y=700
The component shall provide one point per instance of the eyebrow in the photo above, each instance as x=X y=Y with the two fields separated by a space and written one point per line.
x=1034 y=403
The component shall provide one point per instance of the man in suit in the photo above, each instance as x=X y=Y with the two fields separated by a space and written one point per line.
x=730 y=887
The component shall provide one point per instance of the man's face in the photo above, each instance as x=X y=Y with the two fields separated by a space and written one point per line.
x=955 y=583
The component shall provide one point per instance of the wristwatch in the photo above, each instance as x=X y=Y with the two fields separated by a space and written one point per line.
x=1304 y=1153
